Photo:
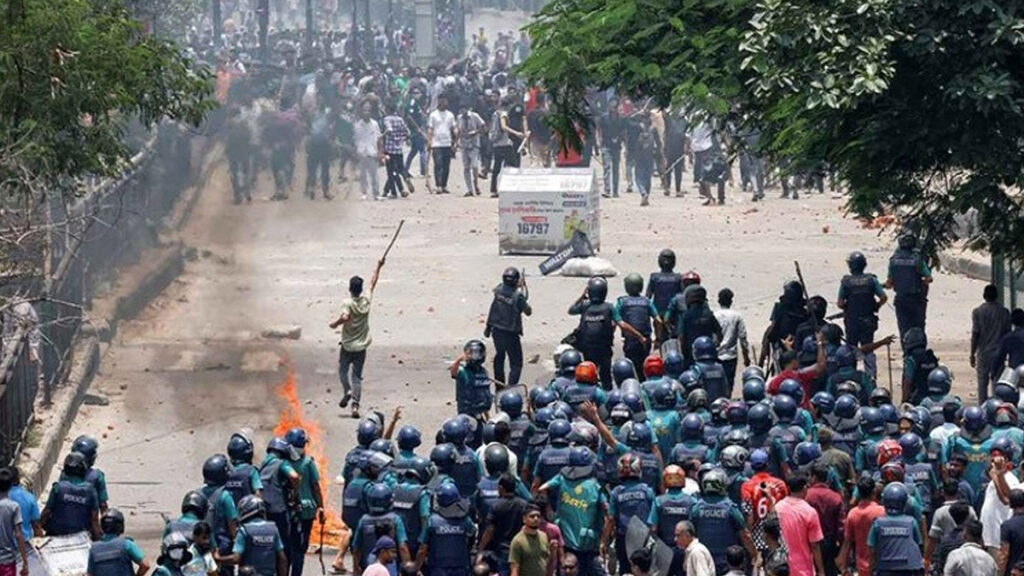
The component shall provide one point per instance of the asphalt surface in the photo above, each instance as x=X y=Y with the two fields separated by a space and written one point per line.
x=193 y=367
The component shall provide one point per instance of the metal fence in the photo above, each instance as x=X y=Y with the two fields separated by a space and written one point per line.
x=88 y=240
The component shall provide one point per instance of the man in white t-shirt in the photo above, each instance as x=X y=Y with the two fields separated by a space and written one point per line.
x=995 y=509
x=441 y=135
x=367 y=137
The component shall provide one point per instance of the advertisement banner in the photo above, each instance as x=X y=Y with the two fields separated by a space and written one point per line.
x=540 y=208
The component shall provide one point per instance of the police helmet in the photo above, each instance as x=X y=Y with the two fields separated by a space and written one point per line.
x=673 y=476
x=907 y=241
x=736 y=437
x=216 y=470
x=240 y=448
x=297 y=437
x=622 y=369
x=281 y=447
x=717 y=410
x=1003 y=445
x=1002 y=391
x=383 y=446
x=629 y=466
x=443 y=457
x=568 y=361
x=367 y=432
x=914 y=339
x=510 y=277
x=251 y=506
x=447 y=495
x=751 y=372
x=194 y=502
x=666 y=259
x=475 y=352
x=846 y=406
x=759 y=459
x=634 y=402
x=793 y=389
x=806 y=452
x=911 y=446
x=848 y=387
x=938 y=383
x=496 y=459
x=734 y=457
x=597 y=290
x=753 y=391
x=633 y=283
x=784 y=407
x=857 y=262
x=409 y=438
x=581 y=459
x=715 y=482
x=895 y=497
x=872 y=422
x=689 y=380
x=75 y=465
x=663 y=396
x=759 y=417
x=543 y=398
x=379 y=498
x=824 y=402
x=419 y=469
x=846 y=357
x=693 y=427
x=87 y=446
x=704 y=349
x=673 y=363
x=511 y=403
x=543 y=417
x=558 y=432
x=455 y=431
x=879 y=396
x=736 y=413
x=639 y=436
x=112 y=522
x=974 y=419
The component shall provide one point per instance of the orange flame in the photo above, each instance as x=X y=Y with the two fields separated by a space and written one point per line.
x=292 y=417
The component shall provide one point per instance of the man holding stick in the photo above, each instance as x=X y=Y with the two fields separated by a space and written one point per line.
x=355 y=333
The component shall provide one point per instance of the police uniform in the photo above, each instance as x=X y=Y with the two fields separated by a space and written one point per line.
x=896 y=541
x=596 y=336
x=719 y=522
x=638 y=312
x=505 y=323
x=858 y=291
x=258 y=543
x=72 y=503
x=448 y=539
x=626 y=501
x=669 y=509
x=907 y=271
x=113 y=556
x=412 y=505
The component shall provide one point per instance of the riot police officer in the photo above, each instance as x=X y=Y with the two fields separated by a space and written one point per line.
x=672 y=507
x=860 y=297
x=662 y=287
x=505 y=325
x=310 y=498
x=174 y=555
x=909 y=276
x=521 y=429
x=596 y=331
x=222 y=514
x=918 y=363
x=381 y=521
x=280 y=491
x=473 y=396
x=194 y=508
x=630 y=499
x=448 y=534
x=896 y=537
x=709 y=370
x=113 y=554
x=72 y=505
x=259 y=545
x=466 y=468
x=244 y=479
x=634 y=315
x=412 y=500
x=89 y=447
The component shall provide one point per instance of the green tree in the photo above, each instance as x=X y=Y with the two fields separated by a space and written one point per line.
x=73 y=75
x=917 y=105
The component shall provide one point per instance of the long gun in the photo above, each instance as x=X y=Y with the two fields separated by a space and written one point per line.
x=807 y=297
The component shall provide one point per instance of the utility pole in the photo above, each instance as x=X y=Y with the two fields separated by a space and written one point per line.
x=263 y=22
x=218 y=23
x=353 y=41
x=309 y=24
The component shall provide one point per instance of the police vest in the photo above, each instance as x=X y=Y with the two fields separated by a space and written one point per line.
x=449 y=543
x=788 y=435
x=95 y=478
x=631 y=500
x=672 y=509
x=789 y=318
x=478 y=395
x=486 y=496
x=577 y=394
x=758 y=439
x=182 y=526
x=273 y=487
x=260 y=551
x=109 y=558
x=895 y=548
x=920 y=473
x=72 y=509
x=636 y=311
x=906 y=279
x=606 y=470
x=504 y=313
x=215 y=517
x=353 y=461
x=713 y=521
x=847 y=440
x=373 y=527
x=400 y=464
x=551 y=461
x=859 y=314
x=924 y=361
x=518 y=439
x=712 y=377
x=597 y=330
x=465 y=471
x=683 y=451
x=239 y=483
x=353 y=504
x=650 y=470
x=696 y=323
x=407 y=506
x=664 y=286
x=712 y=432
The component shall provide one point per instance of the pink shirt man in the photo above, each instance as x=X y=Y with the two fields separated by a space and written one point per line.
x=800 y=529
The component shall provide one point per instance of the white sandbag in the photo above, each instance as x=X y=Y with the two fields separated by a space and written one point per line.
x=587 y=267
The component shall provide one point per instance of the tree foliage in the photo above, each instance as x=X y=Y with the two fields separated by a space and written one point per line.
x=73 y=75
x=917 y=105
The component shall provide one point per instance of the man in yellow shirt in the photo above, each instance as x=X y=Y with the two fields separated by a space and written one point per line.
x=355 y=338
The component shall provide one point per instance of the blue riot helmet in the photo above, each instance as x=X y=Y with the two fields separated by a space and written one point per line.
x=793 y=389
x=894 y=498
x=558 y=432
x=455 y=431
x=443 y=457
x=784 y=407
x=753 y=391
x=693 y=427
x=622 y=370
x=846 y=407
x=511 y=403
x=872 y=422
x=759 y=416
x=379 y=498
x=673 y=363
x=824 y=402
x=689 y=380
x=409 y=438
x=704 y=350
x=806 y=452
x=911 y=445
x=367 y=432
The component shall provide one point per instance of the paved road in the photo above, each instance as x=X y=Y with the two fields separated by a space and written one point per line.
x=193 y=368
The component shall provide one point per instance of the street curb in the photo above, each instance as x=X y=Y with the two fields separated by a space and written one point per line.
x=54 y=422
x=964 y=266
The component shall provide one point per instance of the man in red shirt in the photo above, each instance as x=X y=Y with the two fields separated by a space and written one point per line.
x=758 y=497
x=831 y=512
x=790 y=363
x=858 y=524
x=801 y=530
